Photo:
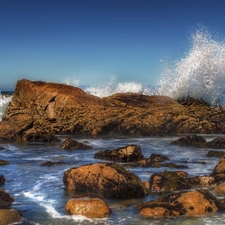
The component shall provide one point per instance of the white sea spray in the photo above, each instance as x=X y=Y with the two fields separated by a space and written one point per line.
x=4 y=102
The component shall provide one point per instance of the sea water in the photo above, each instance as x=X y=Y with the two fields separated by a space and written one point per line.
x=39 y=191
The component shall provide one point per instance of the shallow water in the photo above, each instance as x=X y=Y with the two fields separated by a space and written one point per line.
x=40 y=194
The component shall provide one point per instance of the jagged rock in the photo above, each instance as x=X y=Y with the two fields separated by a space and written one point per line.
x=9 y=216
x=104 y=179
x=190 y=140
x=2 y=179
x=89 y=207
x=219 y=170
x=213 y=153
x=191 y=203
x=5 y=199
x=169 y=181
x=62 y=109
x=70 y=144
x=3 y=162
x=130 y=153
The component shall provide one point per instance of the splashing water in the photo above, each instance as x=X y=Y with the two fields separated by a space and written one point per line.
x=4 y=102
x=200 y=75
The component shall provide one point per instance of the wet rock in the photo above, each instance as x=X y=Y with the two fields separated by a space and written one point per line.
x=168 y=181
x=70 y=144
x=5 y=199
x=220 y=189
x=213 y=153
x=219 y=170
x=89 y=207
x=3 y=162
x=190 y=140
x=2 y=148
x=104 y=179
x=50 y=163
x=216 y=143
x=191 y=203
x=202 y=180
x=130 y=153
x=9 y=216
x=2 y=179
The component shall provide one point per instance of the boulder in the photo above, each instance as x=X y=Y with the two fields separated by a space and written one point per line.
x=40 y=110
x=5 y=199
x=50 y=163
x=213 y=153
x=216 y=143
x=190 y=140
x=2 y=179
x=202 y=180
x=220 y=189
x=9 y=216
x=89 y=207
x=70 y=144
x=3 y=162
x=219 y=170
x=130 y=153
x=168 y=181
x=153 y=161
x=104 y=179
x=189 y=203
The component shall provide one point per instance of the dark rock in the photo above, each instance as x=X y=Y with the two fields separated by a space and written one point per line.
x=168 y=181
x=130 y=153
x=191 y=203
x=190 y=140
x=50 y=163
x=2 y=148
x=2 y=179
x=70 y=144
x=89 y=207
x=216 y=143
x=215 y=154
x=5 y=199
x=3 y=162
x=202 y=180
x=104 y=179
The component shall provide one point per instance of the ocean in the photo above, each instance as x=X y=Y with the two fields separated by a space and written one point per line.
x=39 y=191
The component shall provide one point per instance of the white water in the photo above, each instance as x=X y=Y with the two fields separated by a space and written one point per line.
x=4 y=102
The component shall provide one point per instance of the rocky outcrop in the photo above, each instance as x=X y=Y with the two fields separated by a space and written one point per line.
x=89 y=207
x=130 y=153
x=104 y=179
x=70 y=144
x=40 y=110
x=191 y=203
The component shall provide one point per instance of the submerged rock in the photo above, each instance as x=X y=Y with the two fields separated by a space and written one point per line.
x=50 y=163
x=89 y=207
x=216 y=143
x=2 y=179
x=215 y=154
x=3 y=162
x=104 y=179
x=130 y=153
x=190 y=203
x=70 y=144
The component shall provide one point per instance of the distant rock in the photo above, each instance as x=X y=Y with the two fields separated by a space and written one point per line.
x=70 y=144
x=2 y=179
x=5 y=199
x=50 y=163
x=104 y=179
x=89 y=207
x=213 y=153
x=190 y=140
x=3 y=162
x=130 y=153
x=188 y=203
x=216 y=143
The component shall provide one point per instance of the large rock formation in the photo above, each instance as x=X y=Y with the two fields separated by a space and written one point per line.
x=40 y=110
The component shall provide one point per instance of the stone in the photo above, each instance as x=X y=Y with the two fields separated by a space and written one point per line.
x=219 y=170
x=105 y=180
x=202 y=180
x=89 y=207
x=190 y=140
x=5 y=199
x=70 y=144
x=213 y=153
x=2 y=179
x=187 y=203
x=216 y=143
x=9 y=216
x=50 y=163
x=220 y=189
x=130 y=153
x=3 y=162
x=168 y=181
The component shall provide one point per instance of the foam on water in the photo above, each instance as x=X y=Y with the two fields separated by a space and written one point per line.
x=200 y=74
x=4 y=102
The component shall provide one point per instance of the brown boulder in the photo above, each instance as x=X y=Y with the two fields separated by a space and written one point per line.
x=130 y=153
x=191 y=203
x=190 y=140
x=202 y=180
x=219 y=170
x=89 y=207
x=9 y=216
x=220 y=189
x=70 y=144
x=5 y=199
x=169 y=181
x=104 y=179
x=213 y=153
x=216 y=143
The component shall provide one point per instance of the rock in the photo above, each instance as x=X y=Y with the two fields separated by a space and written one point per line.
x=219 y=170
x=190 y=140
x=130 y=153
x=213 y=153
x=3 y=162
x=169 y=181
x=89 y=207
x=104 y=179
x=9 y=216
x=2 y=148
x=220 y=189
x=216 y=143
x=190 y=203
x=50 y=163
x=70 y=144
x=202 y=180
x=5 y=199
x=2 y=179
x=153 y=161
x=54 y=109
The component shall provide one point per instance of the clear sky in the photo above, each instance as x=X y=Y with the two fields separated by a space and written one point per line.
x=92 y=40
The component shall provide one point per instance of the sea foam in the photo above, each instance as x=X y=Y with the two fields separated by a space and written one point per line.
x=4 y=102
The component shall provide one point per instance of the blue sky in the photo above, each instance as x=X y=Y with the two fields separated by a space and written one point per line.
x=92 y=40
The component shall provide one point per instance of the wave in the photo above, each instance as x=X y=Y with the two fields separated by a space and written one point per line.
x=4 y=102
